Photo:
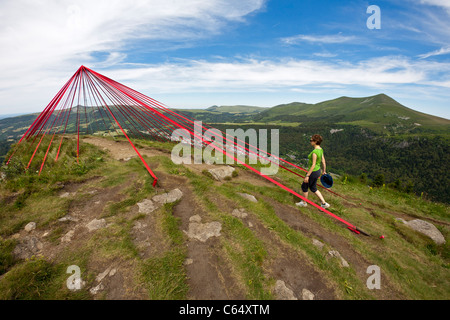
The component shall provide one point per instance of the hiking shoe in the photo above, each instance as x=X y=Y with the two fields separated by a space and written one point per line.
x=325 y=205
x=301 y=204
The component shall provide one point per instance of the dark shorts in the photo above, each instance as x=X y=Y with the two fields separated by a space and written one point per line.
x=312 y=183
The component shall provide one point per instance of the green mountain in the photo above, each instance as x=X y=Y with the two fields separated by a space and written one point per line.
x=380 y=113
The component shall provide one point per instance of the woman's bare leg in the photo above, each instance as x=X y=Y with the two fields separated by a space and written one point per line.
x=318 y=194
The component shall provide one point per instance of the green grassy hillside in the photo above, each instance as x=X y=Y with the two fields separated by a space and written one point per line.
x=379 y=113
x=138 y=255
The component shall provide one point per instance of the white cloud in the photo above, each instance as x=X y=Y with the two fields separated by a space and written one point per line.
x=439 y=52
x=439 y=3
x=46 y=41
x=325 y=54
x=337 y=38
x=261 y=75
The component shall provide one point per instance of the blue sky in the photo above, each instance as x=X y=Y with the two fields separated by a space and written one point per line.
x=194 y=54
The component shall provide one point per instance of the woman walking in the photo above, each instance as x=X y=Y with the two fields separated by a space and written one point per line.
x=316 y=158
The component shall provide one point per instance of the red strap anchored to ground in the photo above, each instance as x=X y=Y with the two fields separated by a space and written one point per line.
x=131 y=114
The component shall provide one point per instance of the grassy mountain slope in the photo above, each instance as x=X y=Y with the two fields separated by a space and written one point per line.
x=150 y=256
x=379 y=113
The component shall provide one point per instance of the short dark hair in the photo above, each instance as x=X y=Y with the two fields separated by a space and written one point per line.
x=317 y=138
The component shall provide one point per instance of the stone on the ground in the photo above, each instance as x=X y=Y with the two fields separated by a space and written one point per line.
x=146 y=206
x=318 y=244
x=282 y=292
x=195 y=218
x=102 y=275
x=204 y=231
x=170 y=197
x=96 y=224
x=336 y=254
x=27 y=247
x=427 y=229
x=96 y=289
x=307 y=295
x=68 y=218
x=30 y=226
x=188 y=261
x=65 y=195
x=139 y=225
x=240 y=213
x=68 y=236
x=222 y=172
x=248 y=197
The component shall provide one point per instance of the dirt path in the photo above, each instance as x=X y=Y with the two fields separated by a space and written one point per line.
x=121 y=150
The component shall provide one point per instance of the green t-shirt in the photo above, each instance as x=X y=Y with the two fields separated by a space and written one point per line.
x=319 y=153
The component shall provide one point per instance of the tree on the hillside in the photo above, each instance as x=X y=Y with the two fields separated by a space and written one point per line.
x=378 y=181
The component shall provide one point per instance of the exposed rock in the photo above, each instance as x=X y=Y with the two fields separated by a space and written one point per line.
x=204 y=231
x=336 y=254
x=28 y=247
x=195 y=218
x=146 y=206
x=30 y=227
x=222 y=172
x=65 y=195
x=16 y=236
x=250 y=224
x=68 y=236
x=170 y=197
x=112 y=272
x=240 y=213
x=102 y=275
x=139 y=225
x=248 y=196
x=282 y=292
x=97 y=289
x=318 y=244
x=68 y=218
x=307 y=295
x=427 y=229
x=96 y=224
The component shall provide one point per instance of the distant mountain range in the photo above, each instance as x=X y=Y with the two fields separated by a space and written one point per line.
x=380 y=113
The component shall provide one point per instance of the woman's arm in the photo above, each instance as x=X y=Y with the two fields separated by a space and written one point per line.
x=324 y=165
